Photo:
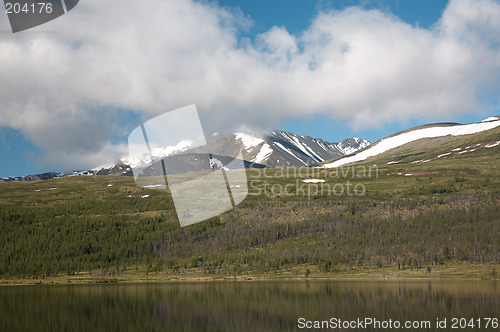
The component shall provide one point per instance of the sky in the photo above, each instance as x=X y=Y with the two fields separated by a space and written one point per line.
x=74 y=88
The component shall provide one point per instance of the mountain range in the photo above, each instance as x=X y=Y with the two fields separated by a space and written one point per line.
x=274 y=149
x=284 y=149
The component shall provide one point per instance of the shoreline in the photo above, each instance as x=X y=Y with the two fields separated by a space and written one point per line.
x=453 y=271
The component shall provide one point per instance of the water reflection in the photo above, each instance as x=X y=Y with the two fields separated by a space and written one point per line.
x=237 y=306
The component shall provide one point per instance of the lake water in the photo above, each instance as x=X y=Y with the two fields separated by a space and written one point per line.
x=241 y=306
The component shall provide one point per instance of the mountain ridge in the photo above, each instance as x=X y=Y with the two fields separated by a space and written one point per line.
x=272 y=149
x=285 y=149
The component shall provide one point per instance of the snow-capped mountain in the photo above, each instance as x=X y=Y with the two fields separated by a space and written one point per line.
x=144 y=159
x=414 y=134
x=284 y=149
x=274 y=149
x=277 y=149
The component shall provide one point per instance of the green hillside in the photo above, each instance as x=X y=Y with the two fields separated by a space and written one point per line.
x=417 y=217
x=428 y=149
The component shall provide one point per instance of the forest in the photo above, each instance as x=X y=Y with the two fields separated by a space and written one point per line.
x=107 y=226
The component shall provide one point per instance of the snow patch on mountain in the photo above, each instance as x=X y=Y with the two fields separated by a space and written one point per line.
x=156 y=154
x=289 y=152
x=314 y=180
x=97 y=169
x=304 y=148
x=491 y=118
x=170 y=150
x=264 y=153
x=249 y=141
x=497 y=143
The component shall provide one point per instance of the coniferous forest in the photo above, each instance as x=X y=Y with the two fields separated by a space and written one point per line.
x=107 y=226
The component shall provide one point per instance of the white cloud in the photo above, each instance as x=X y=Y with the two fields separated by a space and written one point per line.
x=73 y=160
x=152 y=56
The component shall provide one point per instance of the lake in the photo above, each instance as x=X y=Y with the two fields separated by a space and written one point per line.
x=244 y=306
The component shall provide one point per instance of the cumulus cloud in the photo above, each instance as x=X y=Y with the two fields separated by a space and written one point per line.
x=67 y=88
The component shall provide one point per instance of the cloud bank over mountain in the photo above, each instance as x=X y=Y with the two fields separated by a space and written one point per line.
x=69 y=83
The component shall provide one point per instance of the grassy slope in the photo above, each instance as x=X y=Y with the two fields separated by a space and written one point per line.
x=430 y=148
x=443 y=215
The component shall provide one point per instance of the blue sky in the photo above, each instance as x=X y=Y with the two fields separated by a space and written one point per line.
x=297 y=15
x=245 y=64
